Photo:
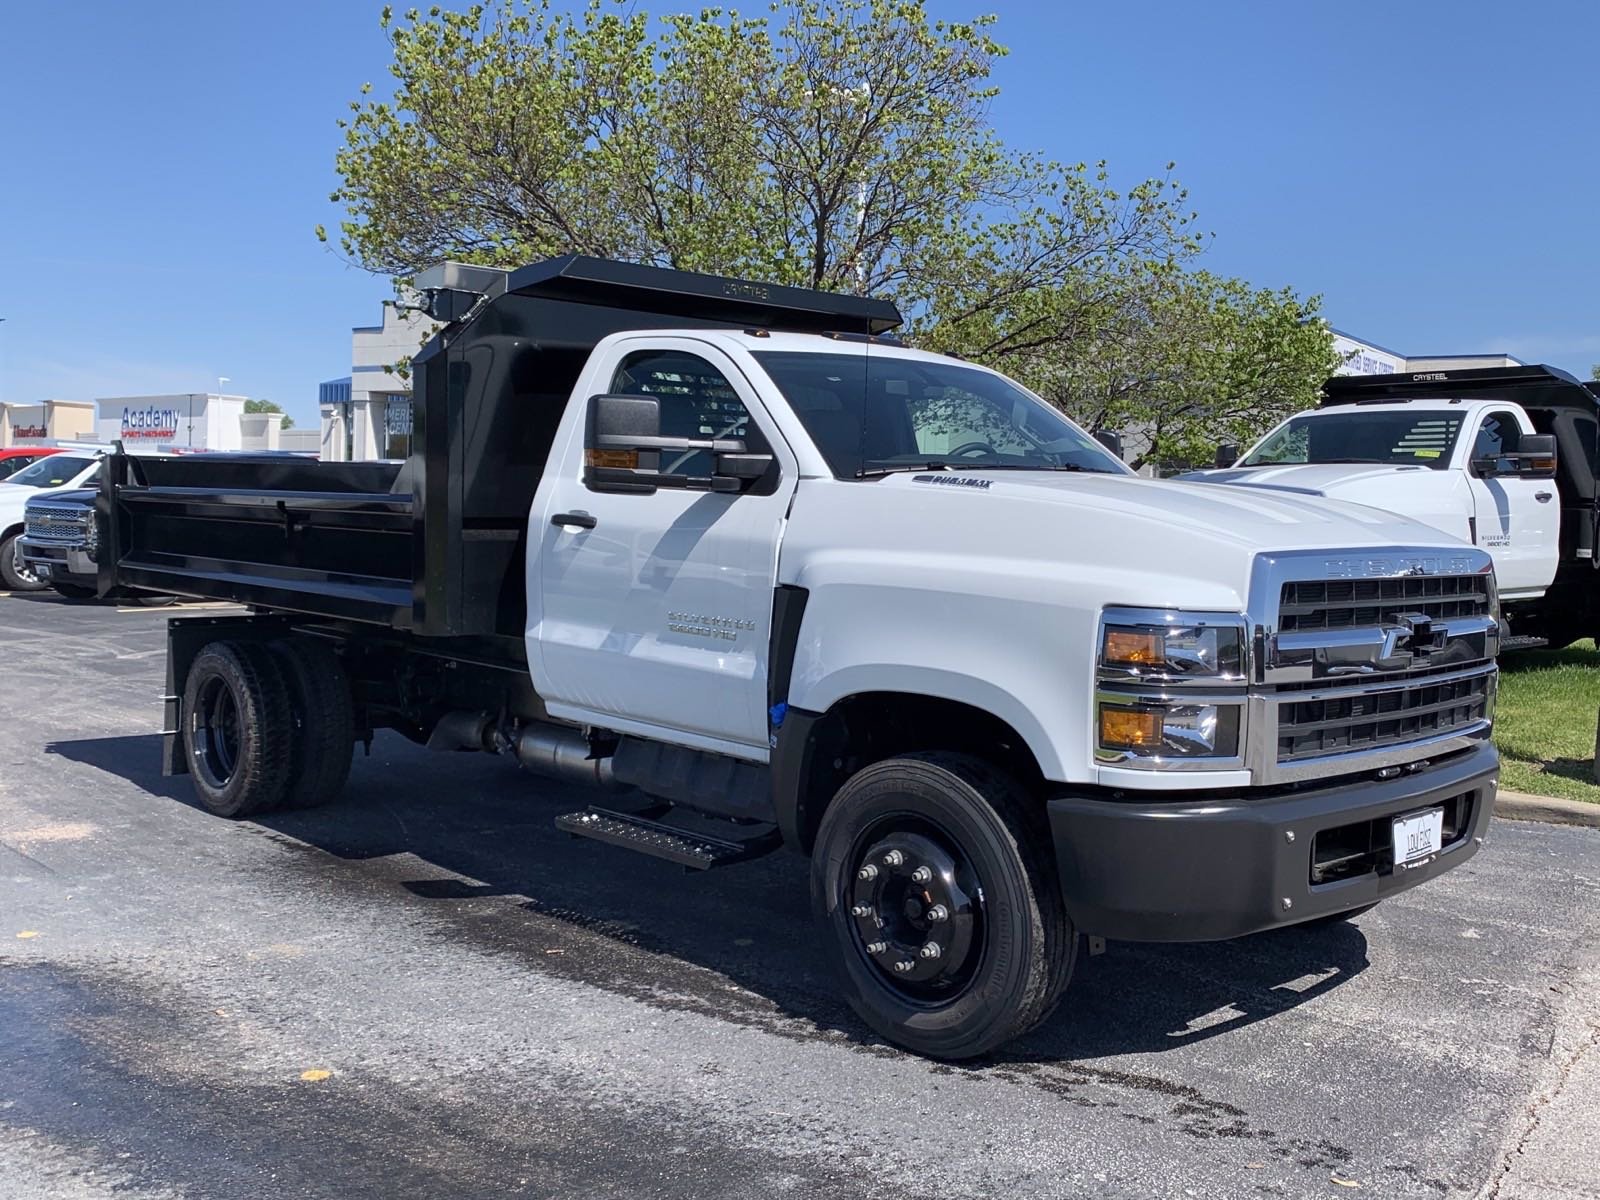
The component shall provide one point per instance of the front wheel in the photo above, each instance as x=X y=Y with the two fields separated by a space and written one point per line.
x=935 y=889
x=15 y=576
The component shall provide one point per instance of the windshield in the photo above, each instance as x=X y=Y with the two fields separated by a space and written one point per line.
x=55 y=470
x=869 y=414
x=1413 y=439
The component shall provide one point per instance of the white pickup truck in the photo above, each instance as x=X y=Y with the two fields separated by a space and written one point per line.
x=1499 y=457
x=773 y=579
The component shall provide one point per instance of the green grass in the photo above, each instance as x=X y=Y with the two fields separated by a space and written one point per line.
x=1545 y=722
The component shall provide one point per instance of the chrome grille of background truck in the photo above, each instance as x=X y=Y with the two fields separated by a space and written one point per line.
x=55 y=524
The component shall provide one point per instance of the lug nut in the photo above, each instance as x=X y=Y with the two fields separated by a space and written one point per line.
x=877 y=947
x=861 y=910
x=930 y=950
x=938 y=913
x=867 y=872
x=904 y=965
x=921 y=875
x=893 y=859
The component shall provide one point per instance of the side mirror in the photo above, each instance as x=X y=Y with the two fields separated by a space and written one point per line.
x=623 y=450
x=1111 y=440
x=1227 y=454
x=1534 y=458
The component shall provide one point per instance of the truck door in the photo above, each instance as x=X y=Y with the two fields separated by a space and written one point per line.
x=654 y=613
x=1518 y=521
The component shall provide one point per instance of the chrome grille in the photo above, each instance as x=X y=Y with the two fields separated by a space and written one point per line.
x=55 y=524
x=1307 y=605
x=1369 y=659
x=1378 y=716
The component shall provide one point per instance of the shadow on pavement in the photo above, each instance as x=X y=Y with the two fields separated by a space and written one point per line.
x=647 y=929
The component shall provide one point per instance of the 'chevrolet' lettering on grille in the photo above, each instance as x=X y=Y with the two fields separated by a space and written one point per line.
x=1374 y=568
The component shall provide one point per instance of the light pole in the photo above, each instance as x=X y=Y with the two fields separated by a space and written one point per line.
x=221 y=379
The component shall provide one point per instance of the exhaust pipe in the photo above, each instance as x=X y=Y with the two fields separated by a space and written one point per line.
x=545 y=749
x=563 y=753
x=463 y=731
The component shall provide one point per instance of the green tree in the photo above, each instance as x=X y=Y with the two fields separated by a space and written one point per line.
x=268 y=406
x=837 y=144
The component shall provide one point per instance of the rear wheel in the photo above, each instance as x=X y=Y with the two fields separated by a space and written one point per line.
x=936 y=892
x=238 y=729
x=15 y=576
x=324 y=721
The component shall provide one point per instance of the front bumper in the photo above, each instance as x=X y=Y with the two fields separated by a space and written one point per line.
x=55 y=562
x=1196 y=871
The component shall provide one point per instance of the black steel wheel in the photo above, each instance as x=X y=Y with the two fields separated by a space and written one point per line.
x=15 y=576
x=935 y=887
x=237 y=727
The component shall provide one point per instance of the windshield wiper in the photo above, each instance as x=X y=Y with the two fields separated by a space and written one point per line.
x=1020 y=467
x=942 y=464
x=932 y=464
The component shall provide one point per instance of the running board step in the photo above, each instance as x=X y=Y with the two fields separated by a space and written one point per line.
x=696 y=851
x=1511 y=645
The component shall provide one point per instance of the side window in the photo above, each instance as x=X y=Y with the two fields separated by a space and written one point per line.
x=697 y=401
x=1499 y=434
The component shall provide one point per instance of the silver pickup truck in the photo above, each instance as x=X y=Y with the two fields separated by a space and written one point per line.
x=59 y=542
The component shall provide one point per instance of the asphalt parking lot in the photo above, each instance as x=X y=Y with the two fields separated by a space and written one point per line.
x=426 y=991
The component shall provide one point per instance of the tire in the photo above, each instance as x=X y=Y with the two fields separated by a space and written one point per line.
x=324 y=721
x=12 y=575
x=978 y=829
x=74 y=591
x=238 y=729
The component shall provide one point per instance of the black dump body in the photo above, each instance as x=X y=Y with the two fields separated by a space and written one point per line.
x=1556 y=402
x=435 y=545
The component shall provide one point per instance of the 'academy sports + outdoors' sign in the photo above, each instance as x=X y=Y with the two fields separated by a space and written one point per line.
x=150 y=423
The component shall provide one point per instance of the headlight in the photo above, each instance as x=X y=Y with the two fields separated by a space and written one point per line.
x=1171 y=688
x=1189 y=650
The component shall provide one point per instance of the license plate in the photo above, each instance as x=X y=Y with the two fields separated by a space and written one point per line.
x=1418 y=836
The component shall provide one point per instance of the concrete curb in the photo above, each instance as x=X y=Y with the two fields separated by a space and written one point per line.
x=1552 y=810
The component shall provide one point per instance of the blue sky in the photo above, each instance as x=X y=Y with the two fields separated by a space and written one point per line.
x=1432 y=168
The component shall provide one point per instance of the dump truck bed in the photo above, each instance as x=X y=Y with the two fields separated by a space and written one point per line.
x=326 y=539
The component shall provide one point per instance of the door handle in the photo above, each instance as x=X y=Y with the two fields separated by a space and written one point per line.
x=1543 y=497
x=580 y=520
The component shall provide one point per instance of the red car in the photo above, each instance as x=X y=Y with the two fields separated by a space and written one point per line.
x=14 y=459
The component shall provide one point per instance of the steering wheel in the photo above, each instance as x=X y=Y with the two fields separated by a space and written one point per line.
x=967 y=448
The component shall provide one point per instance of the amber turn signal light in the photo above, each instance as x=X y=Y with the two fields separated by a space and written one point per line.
x=1129 y=728
x=627 y=460
x=1134 y=648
